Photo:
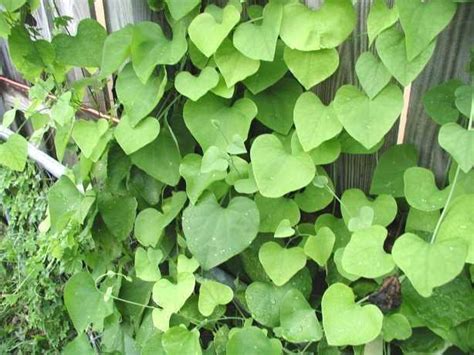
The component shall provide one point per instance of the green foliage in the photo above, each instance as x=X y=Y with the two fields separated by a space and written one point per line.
x=210 y=218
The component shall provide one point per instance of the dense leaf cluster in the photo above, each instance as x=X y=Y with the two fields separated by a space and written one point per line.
x=207 y=220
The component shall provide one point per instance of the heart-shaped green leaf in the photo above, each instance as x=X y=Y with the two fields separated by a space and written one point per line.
x=131 y=138
x=320 y=246
x=215 y=234
x=161 y=158
x=268 y=73
x=208 y=32
x=274 y=210
x=384 y=206
x=284 y=229
x=459 y=142
x=180 y=8
x=146 y=264
x=196 y=87
x=396 y=326
x=314 y=198
x=139 y=99
x=117 y=48
x=421 y=191
x=298 y=320
x=179 y=340
x=214 y=159
x=315 y=123
x=87 y=134
x=213 y=122
x=197 y=181
x=118 y=213
x=150 y=47
x=372 y=74
x=363 y=220
x=364 y=255
x=275 y=105
x=172 y=296
x=344 y=321
x=281 y=264
x=423 y=21
x=259 y=41
x=308 y=30
x=368 y=120
x=252 y=340
x=458 y=223
x=84 y=49
x=439 y=102
x=380 y=18
x=463 y=101
x=212 y=294
x=391 y=47
x=420 y=261
x=311 y=68
x=233 y=65
x=277 y=170
x=14 y=152
x=388 y=175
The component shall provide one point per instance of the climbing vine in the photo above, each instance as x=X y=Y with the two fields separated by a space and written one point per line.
x=201 y=214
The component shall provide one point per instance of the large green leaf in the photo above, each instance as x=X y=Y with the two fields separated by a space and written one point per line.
x=344 y=321
x=368 y=120
x=259 y=41
x=372 y=74
x=84 y=303
x=423 y=21
x=308 y=30
x=215 y=234
x=172 y=296
x=277 y=169
x=315 y=123
x=420 y=261
x=131 y=138
x=214 y=123
x=87 y=134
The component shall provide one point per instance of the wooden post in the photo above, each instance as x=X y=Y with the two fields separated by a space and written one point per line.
x=404 y=116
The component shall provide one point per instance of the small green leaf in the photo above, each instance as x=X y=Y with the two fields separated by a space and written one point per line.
x=212 y=294
x=146 y=264
x=421 y=191
x=281 y=264
x=391 y=48
x=208 y=32
x=384 y=206
x=364 y=255
x=233 y=65
x=396 y=326
x=213 y=122
x=363 y=220
x=463 y=101
x=139 y=99
x=118 y=213
x=420 y=261
x=315 y=123
x=132 y=139
x=215 y=234
x=345 y=322
x=196 y=87
x=172 y=296
x=62 y=111
x=422 y=22
x=9 y=117
x=459 y=142
x=298 y=320
x=14 y=152
x=179 y=340
x=372 y=74
x=307 y=30
x=311 y=68
x=368 y=120
x=277 y=170
x=84 y=49
x=274 y=210
x=380 y=18
x=284 y=229
x=259 y=41
x=84 y=303
x=186 y=265
x=252 y=341
x=87 y=134
x=319 y=247
x=314 y=198
x=392 y=164
x=180 y=8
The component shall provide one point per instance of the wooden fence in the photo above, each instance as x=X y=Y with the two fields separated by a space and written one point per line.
x=449 y=61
